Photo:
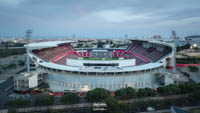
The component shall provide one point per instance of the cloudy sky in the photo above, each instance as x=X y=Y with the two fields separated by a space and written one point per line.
x=100 y=18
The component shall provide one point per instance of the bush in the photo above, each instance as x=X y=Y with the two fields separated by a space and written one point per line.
x=97 y=94
x=70 y=98
x=126 y=93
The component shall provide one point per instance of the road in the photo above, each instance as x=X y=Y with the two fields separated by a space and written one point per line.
x=4 y=94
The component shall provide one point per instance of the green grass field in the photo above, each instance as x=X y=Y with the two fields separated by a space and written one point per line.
x=88 y=58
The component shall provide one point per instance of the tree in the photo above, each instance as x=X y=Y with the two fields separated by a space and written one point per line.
x=169 y=89
x=193 y=68
x=21 y=62
x=113 y=105
x=17 y=102
x=186 y=46
x=141 y=92
x=44 y=100
x=150 y=92
x=79 y=45
x=70 y=98
x=194 y=97
x=12 y=111
x=144 y=92
x=97 y=94
x=126 y=93
x=189 y=87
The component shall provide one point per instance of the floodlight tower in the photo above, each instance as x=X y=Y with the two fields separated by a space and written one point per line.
x=174 y=58
x=174 y=37
x=28 y=35
x=126 y=36
x=73 y=36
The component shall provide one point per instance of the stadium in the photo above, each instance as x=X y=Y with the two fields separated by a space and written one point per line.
x=65 y=68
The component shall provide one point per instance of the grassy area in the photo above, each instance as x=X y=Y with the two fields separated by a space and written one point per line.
x=195 y=110
x=198 y=57
x=9 y=66
x=189 y=60
x=88 y=58
x=12 y=51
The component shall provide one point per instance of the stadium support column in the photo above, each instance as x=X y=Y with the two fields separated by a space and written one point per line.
x=174 y=58
x=27 y=59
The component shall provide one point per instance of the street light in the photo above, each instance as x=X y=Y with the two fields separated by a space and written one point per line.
x=195 y=45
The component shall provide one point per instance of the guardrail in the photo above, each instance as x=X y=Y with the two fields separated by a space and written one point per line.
x=154 y=98
x=46 y=108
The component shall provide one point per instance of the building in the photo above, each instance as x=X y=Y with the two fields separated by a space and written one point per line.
x=81 y=70
x=193 y=38
x=25 y=81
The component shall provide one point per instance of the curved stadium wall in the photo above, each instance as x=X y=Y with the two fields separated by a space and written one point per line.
x=150 y=59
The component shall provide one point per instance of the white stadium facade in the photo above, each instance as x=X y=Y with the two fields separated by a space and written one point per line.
x=65 y=68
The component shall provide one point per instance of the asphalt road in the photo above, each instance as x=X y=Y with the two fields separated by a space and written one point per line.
x=4 y=94
x=7 y=83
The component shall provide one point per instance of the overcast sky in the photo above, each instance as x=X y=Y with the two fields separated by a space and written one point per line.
x=100 y=18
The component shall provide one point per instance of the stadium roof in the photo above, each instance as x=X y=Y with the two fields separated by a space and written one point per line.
x=192 y=37
x=47 y=44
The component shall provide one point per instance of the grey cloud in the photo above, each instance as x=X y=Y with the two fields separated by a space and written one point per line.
x=90 y=17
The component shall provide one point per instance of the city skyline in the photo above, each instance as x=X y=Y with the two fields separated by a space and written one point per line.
x=99 y=19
